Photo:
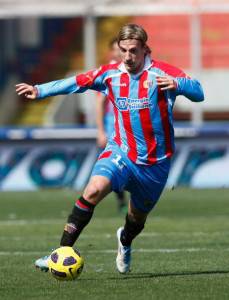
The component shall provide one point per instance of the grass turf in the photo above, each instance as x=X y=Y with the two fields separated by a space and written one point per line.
x=182 y=253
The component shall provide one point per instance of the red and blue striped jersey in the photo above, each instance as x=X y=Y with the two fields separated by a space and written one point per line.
x=142 y=111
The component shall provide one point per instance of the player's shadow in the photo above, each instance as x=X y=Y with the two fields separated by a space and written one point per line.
x=131 y=276
x=170 y=274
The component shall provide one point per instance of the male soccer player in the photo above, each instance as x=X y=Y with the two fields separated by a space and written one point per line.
x=143 y=92
x=105 y=118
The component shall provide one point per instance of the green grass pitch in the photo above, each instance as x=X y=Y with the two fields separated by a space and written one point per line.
x=183 y=252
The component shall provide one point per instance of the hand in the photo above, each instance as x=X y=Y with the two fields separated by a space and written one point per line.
x=166 y=83
x=29 y=91
x=101 y=140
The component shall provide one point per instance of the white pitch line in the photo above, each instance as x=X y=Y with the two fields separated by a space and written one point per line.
x=21 y=253
x=30 y=222
x=18 y=222
x=142 y=250
x=40 y=221
x=108 y=251
x=109 y=236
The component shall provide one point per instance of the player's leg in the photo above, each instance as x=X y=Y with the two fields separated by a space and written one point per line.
x=134 y=224
x=146 y=186
x=97 y=188
x=109 y=173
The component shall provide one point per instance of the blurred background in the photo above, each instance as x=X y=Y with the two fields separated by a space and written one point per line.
x=52 y=143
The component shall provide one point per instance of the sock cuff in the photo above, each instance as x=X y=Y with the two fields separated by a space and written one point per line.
x=83 y=204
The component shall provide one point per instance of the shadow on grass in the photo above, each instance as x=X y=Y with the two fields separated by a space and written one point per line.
x=131 y=276
x=175 y=274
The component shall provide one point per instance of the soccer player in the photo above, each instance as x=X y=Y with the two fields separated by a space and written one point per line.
x=137 y=159
x=105 y=118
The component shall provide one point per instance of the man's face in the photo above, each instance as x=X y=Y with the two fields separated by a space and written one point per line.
x=132 y=54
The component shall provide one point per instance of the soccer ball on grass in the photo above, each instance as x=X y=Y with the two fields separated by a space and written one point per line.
x=65 y=263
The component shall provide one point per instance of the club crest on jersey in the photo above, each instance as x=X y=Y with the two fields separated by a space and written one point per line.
x=147 y=84
x=124 y=103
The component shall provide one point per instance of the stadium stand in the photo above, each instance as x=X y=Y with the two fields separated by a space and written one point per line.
x=173 y=45
x=51 y=61
x=168 y=37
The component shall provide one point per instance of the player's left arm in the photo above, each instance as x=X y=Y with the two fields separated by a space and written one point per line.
x=176 y=81
x=190 y=88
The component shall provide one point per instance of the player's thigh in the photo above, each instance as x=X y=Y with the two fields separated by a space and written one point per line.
x=97 y=188
x=144 y=199
x=111 y=165
x=147 y=185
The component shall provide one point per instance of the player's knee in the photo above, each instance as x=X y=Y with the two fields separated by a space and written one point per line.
x=92 y=192
x=97 y=189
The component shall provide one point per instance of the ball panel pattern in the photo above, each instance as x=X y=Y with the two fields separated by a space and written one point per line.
x=58 y=274
x=69 y=261
x=54 y=257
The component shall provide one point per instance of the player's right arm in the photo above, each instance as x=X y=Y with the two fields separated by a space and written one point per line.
x=29 y=91
x=75 y=84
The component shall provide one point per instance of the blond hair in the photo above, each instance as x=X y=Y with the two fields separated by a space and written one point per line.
x=135 y=32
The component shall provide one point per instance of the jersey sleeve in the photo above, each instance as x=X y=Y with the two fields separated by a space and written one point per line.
x=190 y=88
x=76 y=84
x=186 y=86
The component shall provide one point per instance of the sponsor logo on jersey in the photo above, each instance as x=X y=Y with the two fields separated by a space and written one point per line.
x=119 y=84
x=124 y=103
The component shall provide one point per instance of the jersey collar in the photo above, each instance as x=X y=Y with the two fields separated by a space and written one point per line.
x=147 y=65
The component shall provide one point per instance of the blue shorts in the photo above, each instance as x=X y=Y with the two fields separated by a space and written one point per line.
x=145 y=183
